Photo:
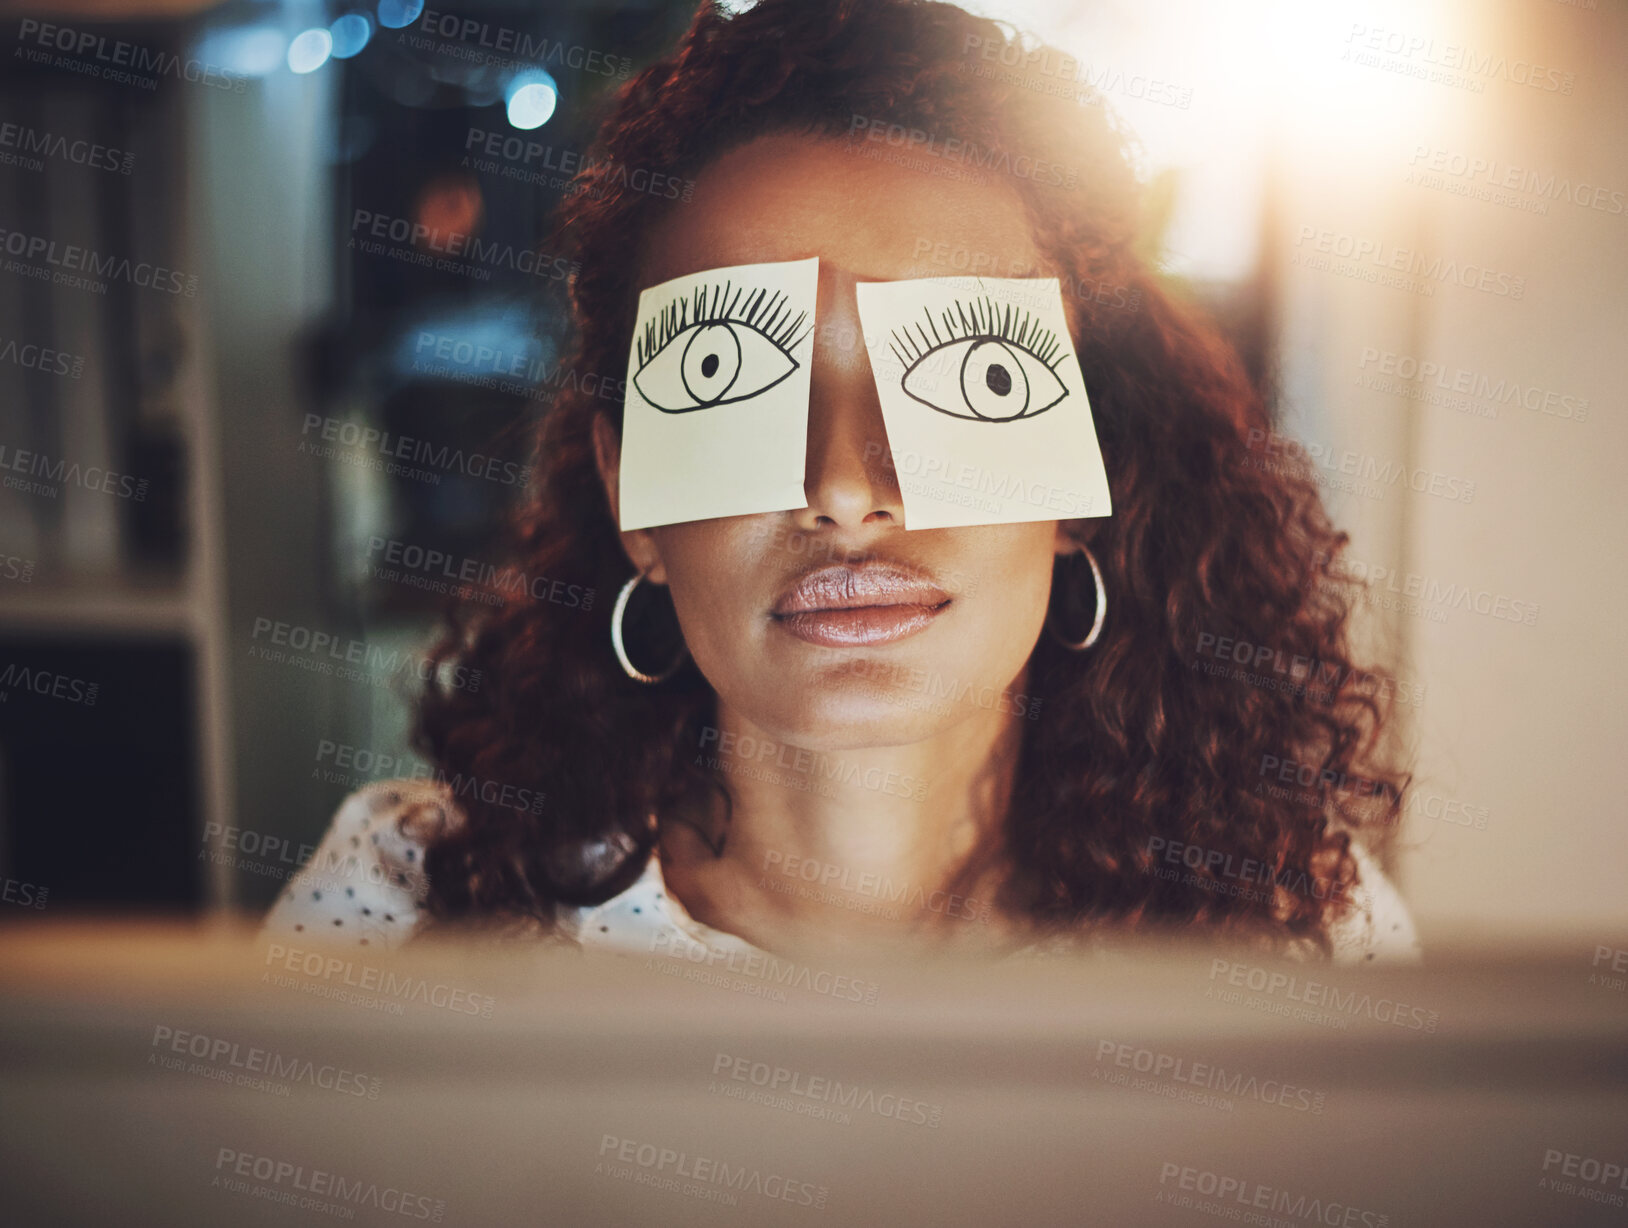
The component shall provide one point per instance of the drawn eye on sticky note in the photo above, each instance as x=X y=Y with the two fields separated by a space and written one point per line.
x=987 y=416
x=1003 y=362
x=715 y=422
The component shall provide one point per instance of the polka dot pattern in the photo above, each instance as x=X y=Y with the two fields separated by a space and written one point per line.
x=645 y=920
x=365 y=886
x=1380 y=929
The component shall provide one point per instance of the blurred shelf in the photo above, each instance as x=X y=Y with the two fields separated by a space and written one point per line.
x=120 y=606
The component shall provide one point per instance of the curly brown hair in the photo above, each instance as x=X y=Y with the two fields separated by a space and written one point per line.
x=1151 y=742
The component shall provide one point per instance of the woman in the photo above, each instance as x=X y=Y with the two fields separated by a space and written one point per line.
x=982 y=737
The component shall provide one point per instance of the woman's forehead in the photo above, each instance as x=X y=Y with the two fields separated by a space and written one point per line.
x=789 y=197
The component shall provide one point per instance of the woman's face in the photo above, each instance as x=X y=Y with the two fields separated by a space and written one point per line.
x=834 y=627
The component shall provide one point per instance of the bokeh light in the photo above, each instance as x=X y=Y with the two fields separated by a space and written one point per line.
x=532 y=103
x=248 y=51
x=310 y=50
x=350 y=34
x=394 y=14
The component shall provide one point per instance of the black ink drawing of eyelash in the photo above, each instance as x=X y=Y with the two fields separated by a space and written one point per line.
x=976 y=318
x=714 y=304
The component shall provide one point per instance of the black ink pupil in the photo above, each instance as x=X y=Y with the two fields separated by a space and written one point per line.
x=709 y=366
x=998 y=378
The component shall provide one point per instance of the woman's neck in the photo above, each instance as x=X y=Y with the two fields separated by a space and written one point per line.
x=853 y=851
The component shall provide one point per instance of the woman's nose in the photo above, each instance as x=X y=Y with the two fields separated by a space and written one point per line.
x=849 y=480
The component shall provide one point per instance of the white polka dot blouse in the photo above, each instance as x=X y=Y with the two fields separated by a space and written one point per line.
x=365 y=885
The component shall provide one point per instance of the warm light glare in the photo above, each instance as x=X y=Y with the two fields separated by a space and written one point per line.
x=1323 y=92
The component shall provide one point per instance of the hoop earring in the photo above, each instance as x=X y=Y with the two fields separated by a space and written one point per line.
x=620 y=647
x=1095 y=633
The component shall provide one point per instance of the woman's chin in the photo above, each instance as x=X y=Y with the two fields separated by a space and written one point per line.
x=844 y=715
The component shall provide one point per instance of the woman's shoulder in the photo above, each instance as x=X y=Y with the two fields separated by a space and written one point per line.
x=1377 y=927
x=364 y=884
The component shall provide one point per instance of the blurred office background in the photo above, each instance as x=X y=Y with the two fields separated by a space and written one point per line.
x=236 y=414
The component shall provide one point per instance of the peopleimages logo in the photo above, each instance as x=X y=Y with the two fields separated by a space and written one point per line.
x=812 y=763
x=280 y=643
x=273 y=856
x=1287 y=771
x=1486 y=178
x=96 y=55
x=483 y=366
x=56 y=473
x=1217 y=863
x=26 y=141
x=1588 y=1178
x=813 y=1093
x=963 y=259
x=510 y=157
x=24 y=895
x=71 y=259
x=765 y=969
x=370 y=765
x=1178 y=1182
x=528 y=48
x=938 y=692
x=320 y=971
x=41 y=358
x=454 y=251
x=49 y=684
x=317 y=1185
x=1378 y=580
x=1325 y=681
x=338 y=435
x=1423 y=57
x=1034 y=65
x=1317 y=994
x=218 y=1058
x=1420 y=378
x=705 y=1171
x=967 y=153
x=830 y=877
x=1616 y=959
x=442 y=572
x=1211 y=1078
x=1374 y=256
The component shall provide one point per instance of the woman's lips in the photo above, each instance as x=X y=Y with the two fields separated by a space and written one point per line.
x=848 y=606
